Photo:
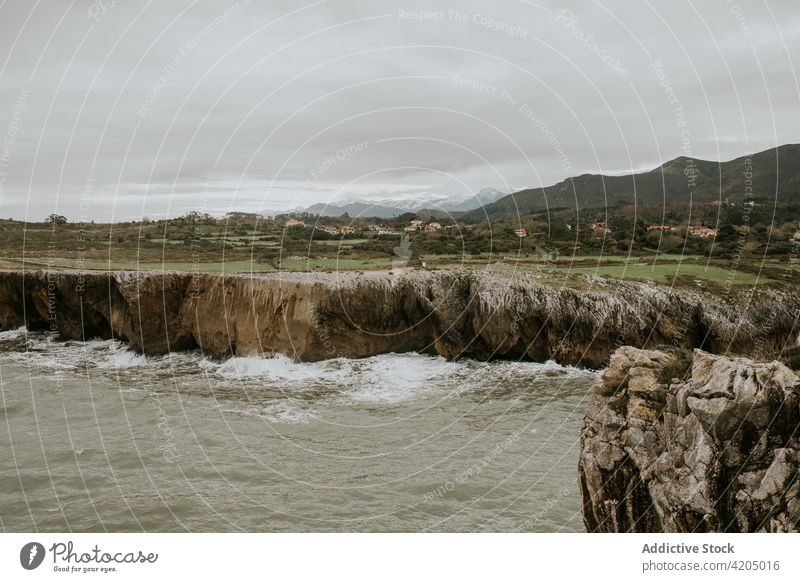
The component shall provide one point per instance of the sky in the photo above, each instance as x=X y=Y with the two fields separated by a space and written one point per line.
x=123 y=109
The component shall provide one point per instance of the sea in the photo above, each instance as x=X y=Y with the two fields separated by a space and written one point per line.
x=97 y=438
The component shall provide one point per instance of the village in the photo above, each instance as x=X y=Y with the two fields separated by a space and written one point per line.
x=600 y=228
x=379 y=230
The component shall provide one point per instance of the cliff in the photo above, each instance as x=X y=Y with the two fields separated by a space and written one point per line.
x=317 y=316
x=718 y=452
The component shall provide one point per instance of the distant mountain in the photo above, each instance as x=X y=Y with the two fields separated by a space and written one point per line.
x=436 y=205
x=774 y=171
x=482 y=198
x=355 y=209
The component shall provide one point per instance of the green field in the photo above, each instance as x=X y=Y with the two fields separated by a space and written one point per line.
x=658 y=258
x=345 y=242
x=226 y=267
x=164 y=241
x=334 y=264
x=663 y=269
x=668 y=269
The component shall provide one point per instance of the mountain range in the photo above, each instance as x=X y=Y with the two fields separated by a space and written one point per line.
x=773 y=174
x=390 y=208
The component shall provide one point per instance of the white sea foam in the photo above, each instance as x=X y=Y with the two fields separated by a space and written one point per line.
x=285 y=411
x=44 y=350
x=385 y=379
x=13 y=334
x=278 y=411
x=122 y=358
x=394 y=378
x=37 y=359
x=278 y=367
x=550 y=369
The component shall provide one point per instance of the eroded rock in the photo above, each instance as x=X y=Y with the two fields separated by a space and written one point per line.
x=718 y=452
x=314 y=316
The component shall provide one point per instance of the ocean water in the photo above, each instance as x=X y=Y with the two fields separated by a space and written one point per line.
x=94 y=437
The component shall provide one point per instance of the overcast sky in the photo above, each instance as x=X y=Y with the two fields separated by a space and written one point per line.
x=115 y=109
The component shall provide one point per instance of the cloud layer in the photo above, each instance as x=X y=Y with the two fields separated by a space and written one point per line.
x=114 y=110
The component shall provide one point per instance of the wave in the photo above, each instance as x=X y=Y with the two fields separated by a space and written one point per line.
x=395 y=378
x=387 y=379
x=13 y=334
x=278 y=412
x=123 y=358
x=278 y=367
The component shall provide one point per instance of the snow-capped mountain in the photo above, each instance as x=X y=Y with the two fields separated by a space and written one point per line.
x=389 y=208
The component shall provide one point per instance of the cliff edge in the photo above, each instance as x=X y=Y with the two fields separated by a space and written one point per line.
x=718 y=452
x=316 y=316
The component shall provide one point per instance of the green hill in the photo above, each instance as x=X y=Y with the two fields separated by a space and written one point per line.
x=682 y=180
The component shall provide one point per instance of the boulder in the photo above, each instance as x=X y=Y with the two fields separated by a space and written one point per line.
x=717 y=452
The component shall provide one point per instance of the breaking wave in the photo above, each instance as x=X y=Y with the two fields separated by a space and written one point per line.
x=384 y=380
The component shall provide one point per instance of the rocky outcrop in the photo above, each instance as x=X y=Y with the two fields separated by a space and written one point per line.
x=317 y=316
x=717 y=452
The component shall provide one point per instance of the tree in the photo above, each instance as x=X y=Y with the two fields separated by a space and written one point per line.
x=197 y=217
x=727 y=233
x=405 y=218
x=56 y=219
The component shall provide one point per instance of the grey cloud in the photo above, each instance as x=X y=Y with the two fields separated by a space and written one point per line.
x=147 y=102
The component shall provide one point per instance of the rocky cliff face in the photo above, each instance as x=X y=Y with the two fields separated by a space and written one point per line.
x=317 y=316
x=718 y=452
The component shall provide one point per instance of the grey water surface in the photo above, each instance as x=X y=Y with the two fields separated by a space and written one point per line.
x=94 y=437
